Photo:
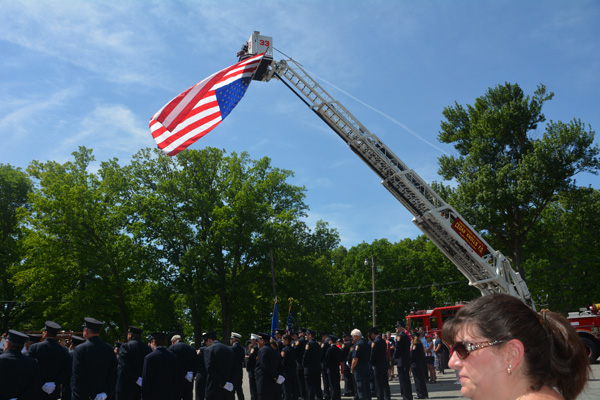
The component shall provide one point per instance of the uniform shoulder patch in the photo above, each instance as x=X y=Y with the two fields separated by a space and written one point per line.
x=306 y=348
x=322 y=345
x=283 y=354
x=251 y=351
x=356 y=348
x=372 y=344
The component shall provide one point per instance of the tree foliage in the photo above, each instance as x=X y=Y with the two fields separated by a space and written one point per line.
x=506 y=172
x=562 y=258
x=80 y=259
x=215 y=220
x=15 y=186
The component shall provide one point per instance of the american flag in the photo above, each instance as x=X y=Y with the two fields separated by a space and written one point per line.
x=290 y=322
x=202 y=107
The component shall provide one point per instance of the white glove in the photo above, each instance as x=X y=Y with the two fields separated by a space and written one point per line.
x=101 y=396
x=139 y=381
x=189 y=376
x=49 y=387
x=228 y=386
x=280 y=380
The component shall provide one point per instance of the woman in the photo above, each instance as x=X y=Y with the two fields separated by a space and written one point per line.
x=417 y=366
x=504 y=350
x=440 y=356
x=429 y=359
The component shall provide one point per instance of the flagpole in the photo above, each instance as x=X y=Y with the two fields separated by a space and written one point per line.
x=273 y=274
x=275 y=317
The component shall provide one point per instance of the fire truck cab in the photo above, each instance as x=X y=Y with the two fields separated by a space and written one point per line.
x=587 y=324
x=432 y=321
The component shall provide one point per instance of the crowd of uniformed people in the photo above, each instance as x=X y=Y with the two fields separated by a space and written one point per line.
x=296 y=366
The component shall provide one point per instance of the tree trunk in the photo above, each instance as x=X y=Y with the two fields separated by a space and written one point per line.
x=226 y=315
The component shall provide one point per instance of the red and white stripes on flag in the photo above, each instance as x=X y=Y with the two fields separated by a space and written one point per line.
x=202 y=107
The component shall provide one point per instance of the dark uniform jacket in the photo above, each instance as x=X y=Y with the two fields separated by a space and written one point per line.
x=312 y=358
x=186 y=359
x=251 y=363
x=300 y=346
x=159 y=375
x=19 y=376
x=267 y=365
x=379 y=354
x=333 y=357
x=130 y=367
x=288 y=357
x=402 y=352
x=94 y=369
x=53 y=360
x=361 y=351
x=417 y=355
x=345 y=352
x=200 y=381
x=239 y=355
x=218 y=359
x=324 y=347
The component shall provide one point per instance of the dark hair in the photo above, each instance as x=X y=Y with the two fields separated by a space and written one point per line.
x=287 y=337
x=12 y=345
x=554 y=353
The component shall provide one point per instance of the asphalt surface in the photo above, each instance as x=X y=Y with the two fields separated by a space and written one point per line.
x=446 y=389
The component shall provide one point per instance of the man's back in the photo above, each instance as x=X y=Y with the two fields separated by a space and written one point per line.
x=131 y=365
x=218 y=359
x=53 y=361
x=159 y=375
x=94 y=369
x=402 y=353
x=19 y=376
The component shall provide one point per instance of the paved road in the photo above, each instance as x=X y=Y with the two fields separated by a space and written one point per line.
x=446 y=389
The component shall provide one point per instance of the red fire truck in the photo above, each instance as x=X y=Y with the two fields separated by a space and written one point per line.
x=433 y=320
x=587 y=324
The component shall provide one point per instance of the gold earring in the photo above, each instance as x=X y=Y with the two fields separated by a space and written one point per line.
x=509 y=369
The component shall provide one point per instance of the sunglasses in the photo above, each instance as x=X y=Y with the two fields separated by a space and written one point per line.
x=463 y=349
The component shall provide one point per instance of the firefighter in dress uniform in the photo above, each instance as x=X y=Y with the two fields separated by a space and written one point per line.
x=94 y=371
x=130 y=365
x=53 y=360
x=19 y=374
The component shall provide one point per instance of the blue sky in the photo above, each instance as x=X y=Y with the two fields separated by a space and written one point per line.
x=92 y=73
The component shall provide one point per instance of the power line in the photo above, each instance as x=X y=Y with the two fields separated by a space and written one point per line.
x=402 y=288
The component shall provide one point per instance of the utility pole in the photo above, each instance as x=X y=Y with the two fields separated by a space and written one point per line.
x=373 y=282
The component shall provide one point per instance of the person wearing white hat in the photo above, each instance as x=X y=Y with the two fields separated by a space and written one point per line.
x=251 y=365
x=239 y=356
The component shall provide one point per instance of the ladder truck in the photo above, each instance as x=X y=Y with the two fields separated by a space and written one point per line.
x=486 y=269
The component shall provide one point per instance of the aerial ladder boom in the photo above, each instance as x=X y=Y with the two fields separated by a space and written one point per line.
x=485 y=268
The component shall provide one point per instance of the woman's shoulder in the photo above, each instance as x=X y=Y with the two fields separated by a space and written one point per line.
x=545 y=393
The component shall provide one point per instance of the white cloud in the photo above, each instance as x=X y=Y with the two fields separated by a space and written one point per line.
x=96 y=36
x=23 y=116
x=110 y=130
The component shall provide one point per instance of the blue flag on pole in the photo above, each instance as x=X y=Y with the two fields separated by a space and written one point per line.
x=274 y=321
x=290 y=321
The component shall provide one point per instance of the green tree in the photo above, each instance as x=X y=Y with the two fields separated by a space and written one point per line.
x=14 y=189
x=506 y=173
x=80 y=260
x=563 y=261
x=409 y=275
x=215 y=220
